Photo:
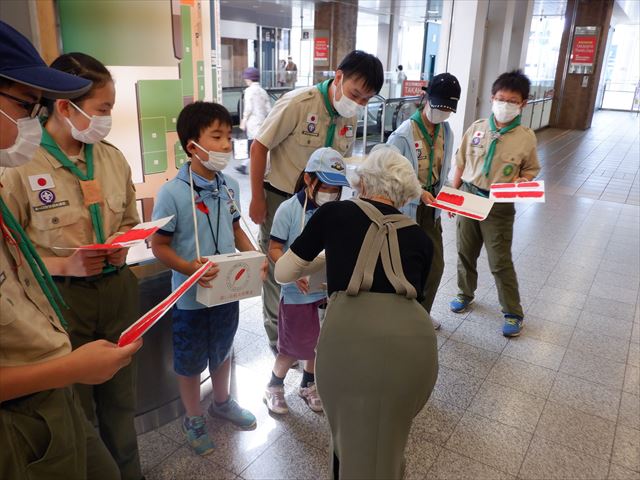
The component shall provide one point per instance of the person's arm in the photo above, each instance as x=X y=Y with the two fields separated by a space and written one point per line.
x=242 y=241
x=530 y=166
x=258 y=205
x=81 y=263
x=91 y=364
x=161 y=248
x=290 y=267
x=278 y=125
x=457 y=177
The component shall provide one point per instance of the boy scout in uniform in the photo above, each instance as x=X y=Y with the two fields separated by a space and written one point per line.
x=77 y=190
x=300 y=122
x=494 y=150
x=426 y=140
x=43 y=431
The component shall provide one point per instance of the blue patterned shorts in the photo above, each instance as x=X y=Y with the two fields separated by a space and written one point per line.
x=203 y=336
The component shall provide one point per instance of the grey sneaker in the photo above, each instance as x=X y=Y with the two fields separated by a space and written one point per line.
x=274 y=400
x=310 y=395
x=240 y=417
x=196 y=432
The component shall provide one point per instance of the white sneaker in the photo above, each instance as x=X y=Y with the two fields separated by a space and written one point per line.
x=310 y=395
x=274 y=400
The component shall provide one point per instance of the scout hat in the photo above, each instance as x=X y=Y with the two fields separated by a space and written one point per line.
x=329 y=166
x=20 y=62
x=443 y=92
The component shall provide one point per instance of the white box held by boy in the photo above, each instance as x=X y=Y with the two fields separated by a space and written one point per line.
x=238 y=278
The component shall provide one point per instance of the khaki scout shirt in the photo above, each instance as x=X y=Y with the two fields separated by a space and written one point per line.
x=422 y=153
x=55 y=215
x=296 y=127
x=515 y=155
x=30 y=330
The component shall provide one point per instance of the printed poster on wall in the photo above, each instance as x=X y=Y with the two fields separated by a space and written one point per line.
x=583 y=50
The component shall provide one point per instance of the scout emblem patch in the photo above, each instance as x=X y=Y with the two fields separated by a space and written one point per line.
x=47 y=197
x=507 y=170
x=311 y=127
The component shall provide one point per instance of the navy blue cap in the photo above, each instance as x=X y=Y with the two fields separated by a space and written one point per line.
x=21 y=63
x=444 y=92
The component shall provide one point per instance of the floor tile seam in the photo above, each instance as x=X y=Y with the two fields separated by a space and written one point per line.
x=579 y=452
x=476 y=460
x=598 y=356
x=261 y=453
x=524 y=457
x=166 y=458
x=608 y=387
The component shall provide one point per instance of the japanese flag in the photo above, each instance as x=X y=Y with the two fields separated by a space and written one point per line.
x=40 y=182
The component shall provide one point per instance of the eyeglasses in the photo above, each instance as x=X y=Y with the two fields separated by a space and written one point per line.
x=511 y=102
x=32 y=108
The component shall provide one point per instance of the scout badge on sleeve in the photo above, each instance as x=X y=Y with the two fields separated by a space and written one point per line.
x=136 y=235
x=463 y=203
x=149 y=319
x=523 y=192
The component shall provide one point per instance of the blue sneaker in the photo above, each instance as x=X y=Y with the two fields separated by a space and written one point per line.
x=196 y=432
x=459 y=304
x=230 y=410
x=512 y=325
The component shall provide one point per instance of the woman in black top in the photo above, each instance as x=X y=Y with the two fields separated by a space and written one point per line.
x=376 y=359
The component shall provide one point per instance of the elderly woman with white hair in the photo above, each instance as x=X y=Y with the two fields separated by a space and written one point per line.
x=377 y=359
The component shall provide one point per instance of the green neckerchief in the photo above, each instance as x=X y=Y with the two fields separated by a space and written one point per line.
x=495 y=136
x=52 y=147
x=417 y=117
x=324 y=89
x=38 y=267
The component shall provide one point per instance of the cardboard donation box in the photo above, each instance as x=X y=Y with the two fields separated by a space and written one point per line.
x=238 y=278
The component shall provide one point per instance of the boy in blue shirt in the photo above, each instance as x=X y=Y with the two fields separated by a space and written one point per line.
x=202 y=335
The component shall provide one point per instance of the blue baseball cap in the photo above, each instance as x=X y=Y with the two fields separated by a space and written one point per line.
x=329 y=166
x=21 y=63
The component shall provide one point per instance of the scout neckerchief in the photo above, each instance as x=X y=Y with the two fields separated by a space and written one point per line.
x=90 y=187
x=86 y=180
x=495 y=136
x=417 y=117
x=12 y=229
x=324 y=89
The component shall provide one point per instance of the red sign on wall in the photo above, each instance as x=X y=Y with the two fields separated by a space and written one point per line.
x=321 y=49
x=412 y=88
x=583 y=51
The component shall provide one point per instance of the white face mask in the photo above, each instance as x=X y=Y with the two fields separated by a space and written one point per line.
x=26 y=144
x=99 y=127
x=345 y=106
x=324 y=197
x=504 y=111
x=216 y=161
x=434 y=115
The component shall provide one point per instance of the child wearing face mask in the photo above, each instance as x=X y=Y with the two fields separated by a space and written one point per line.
x=494 y=150
x=202 y=336
x=426 y=141
x=298 y=320
x=77 y=190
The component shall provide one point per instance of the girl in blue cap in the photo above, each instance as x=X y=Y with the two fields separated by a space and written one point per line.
x=298 y=319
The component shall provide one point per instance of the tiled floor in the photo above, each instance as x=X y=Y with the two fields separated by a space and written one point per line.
x=561 y=401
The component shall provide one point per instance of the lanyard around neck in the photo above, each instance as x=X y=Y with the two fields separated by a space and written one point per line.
x=12 y=228
x=495 y=136
x=197 y=191
x=52 y=147
x=417 y=117
x=324 y=89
